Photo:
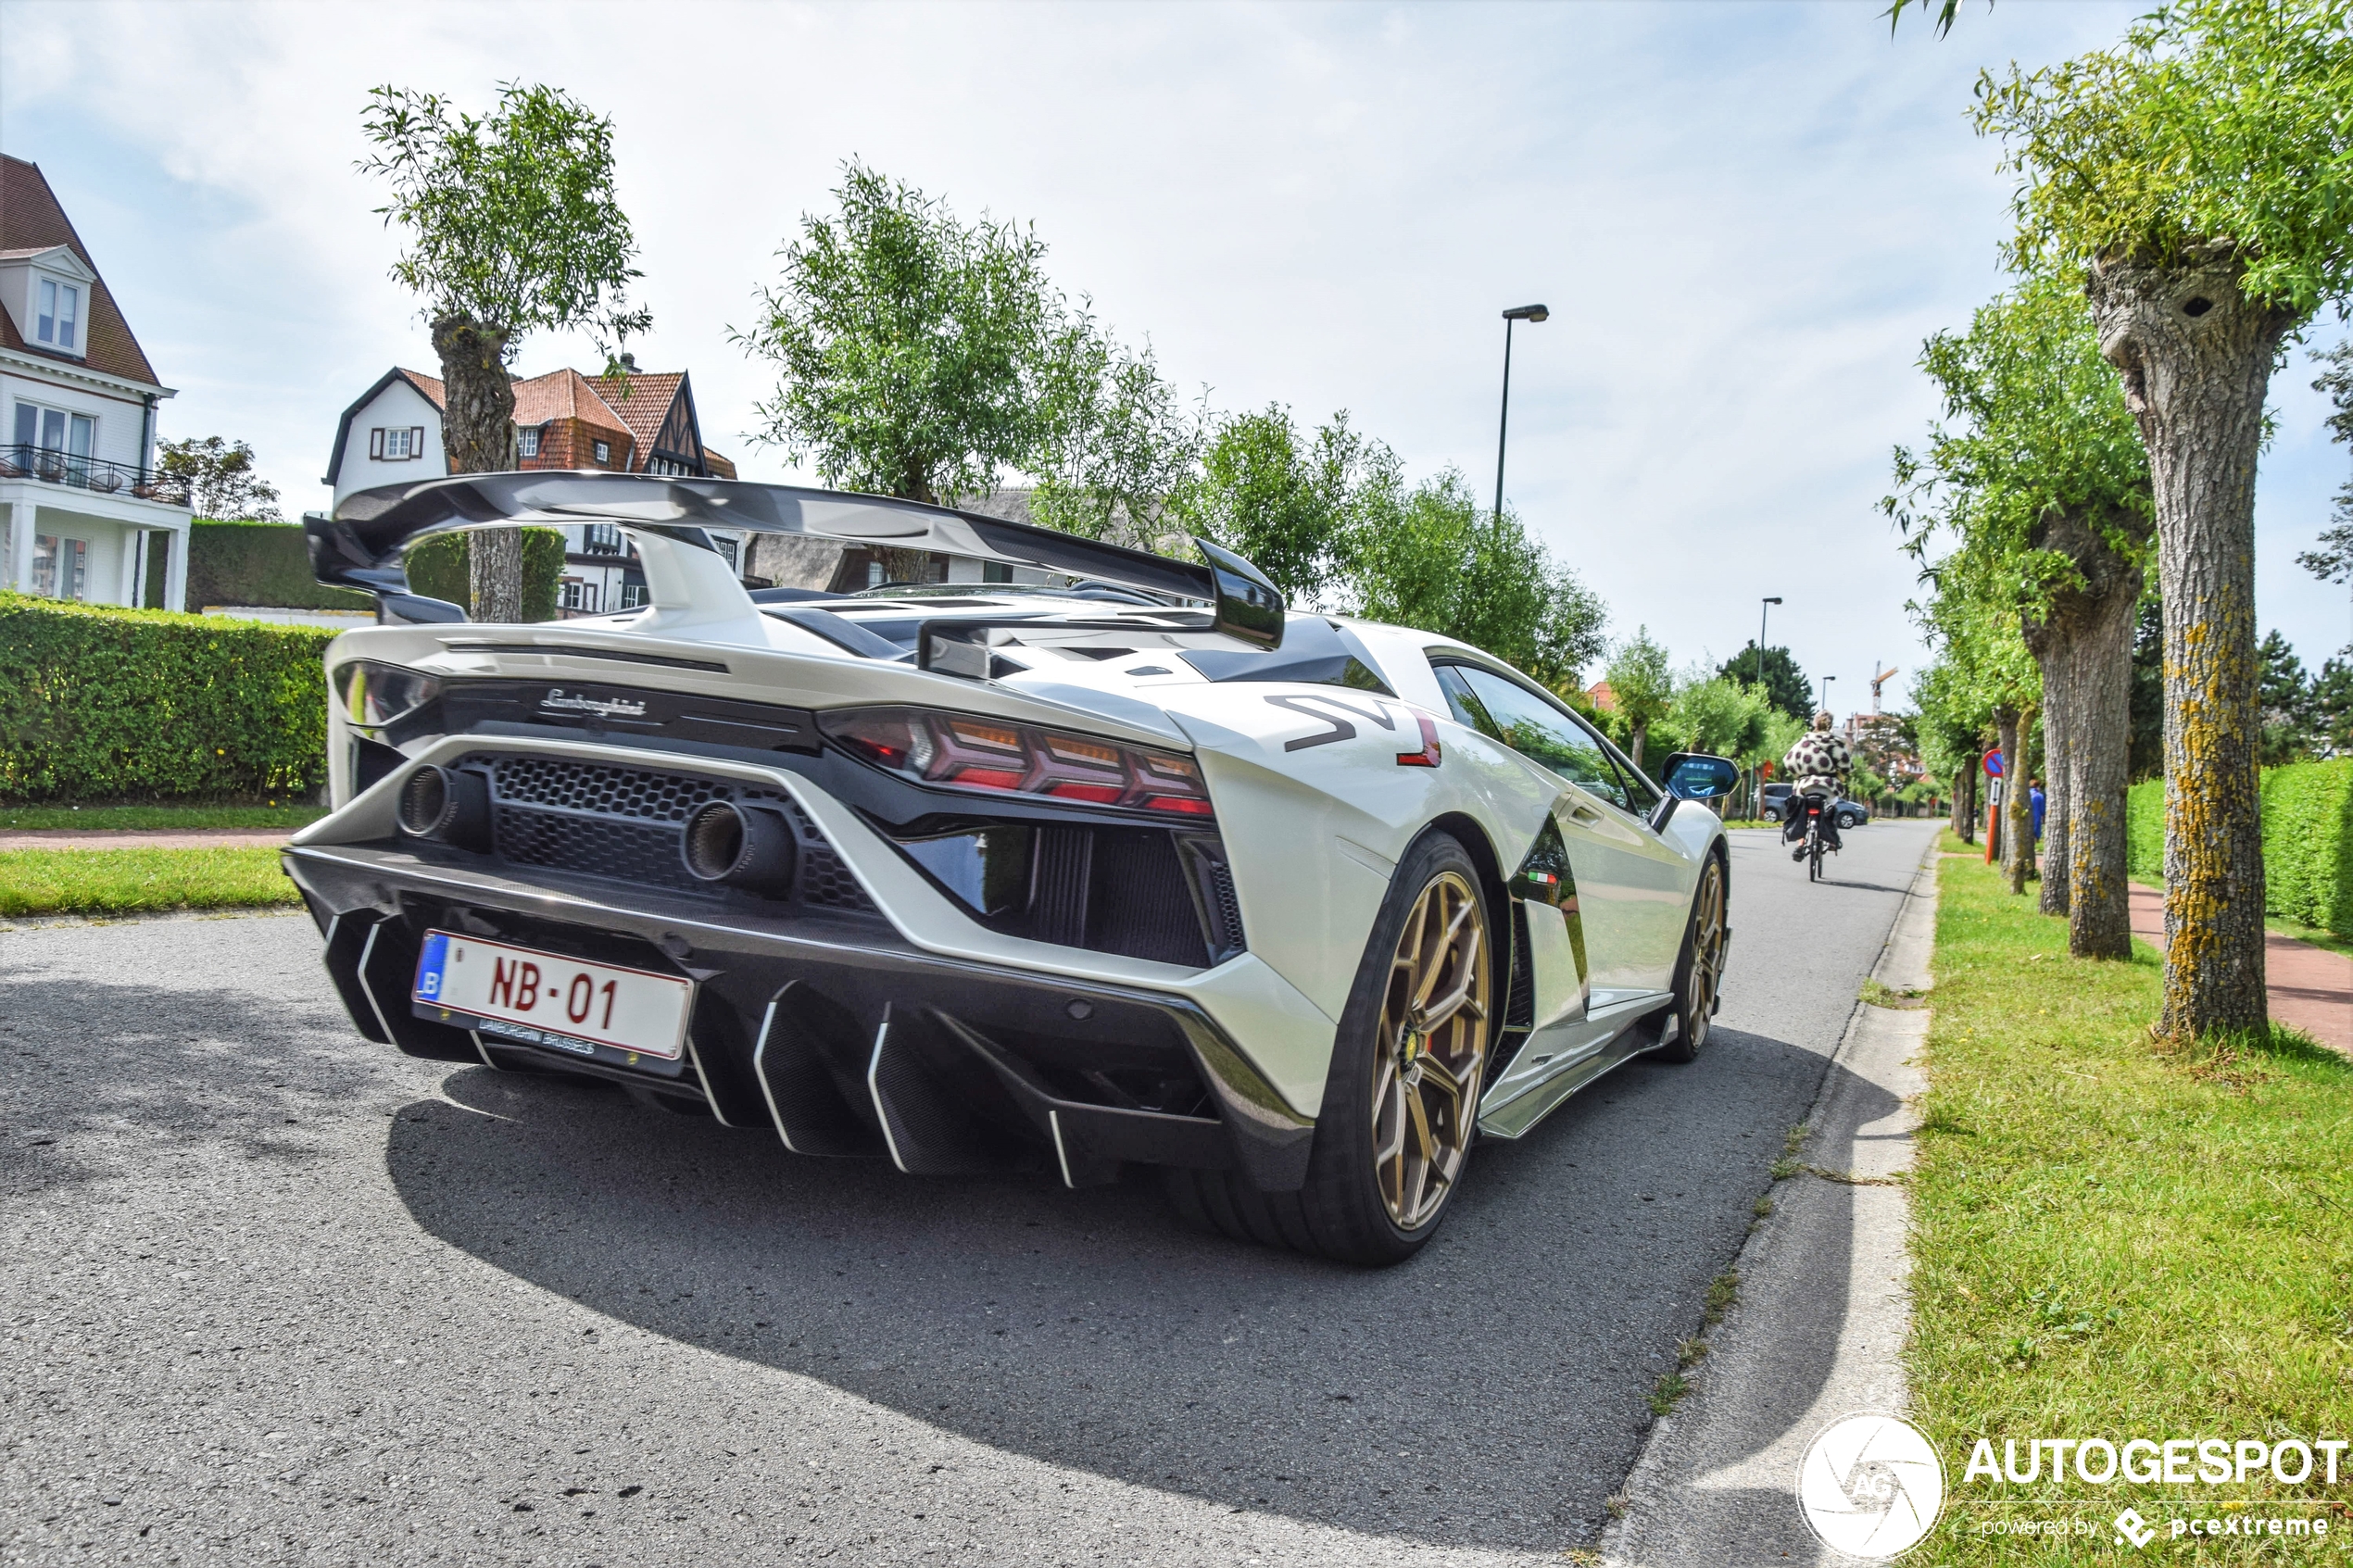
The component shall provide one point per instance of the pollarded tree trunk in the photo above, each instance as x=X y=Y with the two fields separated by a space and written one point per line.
x=2196 y=356
x=1965 y=802
x=2005 y=724
x=2083 y=645
x=2058 y=736
x=2099 y=678
x=477 y=436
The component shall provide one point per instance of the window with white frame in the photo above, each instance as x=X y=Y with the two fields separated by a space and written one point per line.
x=397 y=444
x=60 y=566
x=55 y=440
x=527 y=441
x=580 y=596
x=57 y=317
x=604 y=454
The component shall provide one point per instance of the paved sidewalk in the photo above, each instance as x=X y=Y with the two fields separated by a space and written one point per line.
x=158 y=838
x=2311 y=988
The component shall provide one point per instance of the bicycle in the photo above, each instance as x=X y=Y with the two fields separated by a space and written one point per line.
x=1813 y=839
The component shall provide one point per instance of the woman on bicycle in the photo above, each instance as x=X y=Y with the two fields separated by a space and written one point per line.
x=1818 y=764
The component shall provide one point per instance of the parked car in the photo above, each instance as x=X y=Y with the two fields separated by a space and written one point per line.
x=1139 y=871
x=1849 y=813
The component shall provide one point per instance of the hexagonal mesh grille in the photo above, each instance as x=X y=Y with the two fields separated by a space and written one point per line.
x=603 y=821
x=632 y=851
x=608 y=792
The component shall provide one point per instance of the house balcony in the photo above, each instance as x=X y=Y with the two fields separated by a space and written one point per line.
x=85 y=528
x=94 y=474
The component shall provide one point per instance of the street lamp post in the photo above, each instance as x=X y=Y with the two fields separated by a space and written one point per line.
x=1763 y=611
x=1826 y=693
x=1757 y=785
x=1504 y=424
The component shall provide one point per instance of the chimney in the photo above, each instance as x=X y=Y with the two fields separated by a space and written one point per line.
x=629 y=364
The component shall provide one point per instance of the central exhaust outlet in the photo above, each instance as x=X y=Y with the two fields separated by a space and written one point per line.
x=745 y=847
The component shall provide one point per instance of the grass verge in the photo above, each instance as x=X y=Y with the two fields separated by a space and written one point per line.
x=2115 y=1242
x=149 y=819
x=119 y=881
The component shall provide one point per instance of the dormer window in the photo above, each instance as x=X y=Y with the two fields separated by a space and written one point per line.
x=527 y=441
x=604 y=454
x=57 y=322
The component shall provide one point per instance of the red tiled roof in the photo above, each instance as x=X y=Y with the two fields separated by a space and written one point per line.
x=566 y=395
x=428 y=385
x=647 y=404
x=31 y=222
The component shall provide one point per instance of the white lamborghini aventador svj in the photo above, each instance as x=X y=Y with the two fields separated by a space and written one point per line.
x=1121 y=865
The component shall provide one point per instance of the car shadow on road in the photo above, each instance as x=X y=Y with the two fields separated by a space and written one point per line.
x=1492 y=1392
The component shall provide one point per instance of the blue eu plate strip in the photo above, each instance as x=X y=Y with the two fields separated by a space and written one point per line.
x=429 y=966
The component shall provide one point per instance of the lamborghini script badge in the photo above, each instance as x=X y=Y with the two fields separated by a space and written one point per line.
x=603 y=706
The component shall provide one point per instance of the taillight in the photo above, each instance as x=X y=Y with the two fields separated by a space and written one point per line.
x=960 y=752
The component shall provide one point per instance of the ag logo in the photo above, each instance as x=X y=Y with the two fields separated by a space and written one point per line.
x=1870 y=1486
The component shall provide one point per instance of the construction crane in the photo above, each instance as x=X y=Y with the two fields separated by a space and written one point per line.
x=1877 y=682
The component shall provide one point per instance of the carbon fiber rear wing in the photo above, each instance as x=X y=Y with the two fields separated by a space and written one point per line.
x=360 y=545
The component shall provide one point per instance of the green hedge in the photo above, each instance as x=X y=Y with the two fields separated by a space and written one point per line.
x=2308 y=841
x=259 y=564
x=98 y=703
x=2145 y=831
x=438 y=569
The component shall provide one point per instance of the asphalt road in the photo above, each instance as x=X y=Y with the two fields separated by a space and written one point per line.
x=269 y=1293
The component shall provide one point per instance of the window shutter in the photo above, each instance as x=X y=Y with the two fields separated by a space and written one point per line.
x=376 y=444
x=417 y=441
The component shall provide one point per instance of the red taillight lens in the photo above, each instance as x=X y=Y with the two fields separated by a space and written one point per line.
x=959 y=752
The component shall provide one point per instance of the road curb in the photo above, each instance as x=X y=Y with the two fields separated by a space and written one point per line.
x=1713 y=1484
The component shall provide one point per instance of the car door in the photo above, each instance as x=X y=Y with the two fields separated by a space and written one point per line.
x=1609 y=849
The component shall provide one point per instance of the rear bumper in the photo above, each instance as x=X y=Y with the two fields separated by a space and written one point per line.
x=836 y=1032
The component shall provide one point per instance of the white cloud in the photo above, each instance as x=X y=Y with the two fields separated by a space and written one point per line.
x=1744 y=220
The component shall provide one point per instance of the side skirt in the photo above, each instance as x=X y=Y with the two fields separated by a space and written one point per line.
x=1516 y=1117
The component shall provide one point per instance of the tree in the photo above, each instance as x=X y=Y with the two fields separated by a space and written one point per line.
x=2286 y=697
x=221 y=483
x=2040 y=476
x=1293 y=504
x=915 y=353
x=514 y=226
x=2331 y=702
x=1952 y=722
x=1987 y=674
x=1641 y=686
x=2197 y=178
x=1114 y=440
x=2333 y=562
x=1785 y=685
x=1722 y=716
x=1441 y=560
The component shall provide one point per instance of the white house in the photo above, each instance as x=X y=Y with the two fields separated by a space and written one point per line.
x=86 y=514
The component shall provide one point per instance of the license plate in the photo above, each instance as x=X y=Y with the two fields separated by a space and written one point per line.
x=547 y=999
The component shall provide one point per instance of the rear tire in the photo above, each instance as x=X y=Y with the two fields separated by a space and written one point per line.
x=1401 y=1102
x=1699 y=974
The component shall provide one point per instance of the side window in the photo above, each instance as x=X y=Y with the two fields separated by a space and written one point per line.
x=1458 y=697
x=1544 y=733
x=1645 y=795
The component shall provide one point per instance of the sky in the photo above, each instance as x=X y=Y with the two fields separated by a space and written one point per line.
x=1744 y=218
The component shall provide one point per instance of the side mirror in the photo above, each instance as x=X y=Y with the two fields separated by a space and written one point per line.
x=1694 y=775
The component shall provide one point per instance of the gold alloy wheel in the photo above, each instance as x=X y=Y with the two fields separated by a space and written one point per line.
x=1707 y=953
x=1433 y=1050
